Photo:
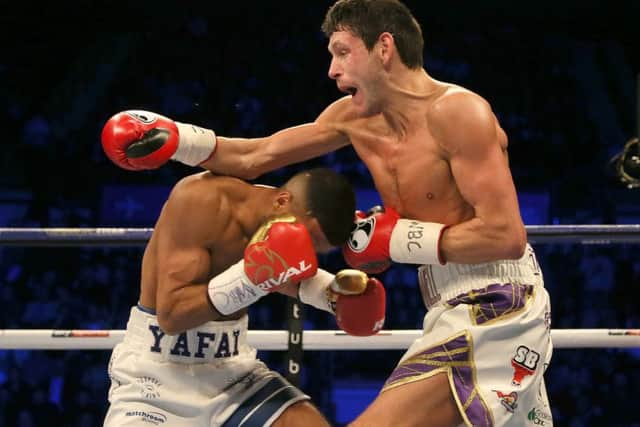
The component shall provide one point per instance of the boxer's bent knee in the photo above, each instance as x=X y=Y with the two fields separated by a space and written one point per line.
x=428 y=402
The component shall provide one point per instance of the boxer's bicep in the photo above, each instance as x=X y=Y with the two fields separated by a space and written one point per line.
x=482 y=175
x=466 y=129
x=183 y=260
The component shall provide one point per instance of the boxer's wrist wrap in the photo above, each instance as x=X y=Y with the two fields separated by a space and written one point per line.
x=315 y=291
x=416 y=242
x=196 y=144
x=231 y=290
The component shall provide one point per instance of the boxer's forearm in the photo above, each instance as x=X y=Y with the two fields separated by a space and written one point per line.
x=476 y=241
x=249 y=158
x=186 y=308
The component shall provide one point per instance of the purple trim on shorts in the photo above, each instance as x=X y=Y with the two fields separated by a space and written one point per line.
x=454 y=355
x=494 y=301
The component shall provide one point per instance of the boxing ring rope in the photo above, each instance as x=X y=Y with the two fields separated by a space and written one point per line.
x=49 y=339
x=584 y=234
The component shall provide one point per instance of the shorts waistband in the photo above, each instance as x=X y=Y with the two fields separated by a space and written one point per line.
x=209 y=342
x=441 y=283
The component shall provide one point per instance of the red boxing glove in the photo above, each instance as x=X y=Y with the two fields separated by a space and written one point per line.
x=368 y=246
x=280 y=252
x=137 y=140
x=360 y=303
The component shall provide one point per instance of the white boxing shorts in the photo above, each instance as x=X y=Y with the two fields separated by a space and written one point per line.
x=206 y=376
x=488 y=329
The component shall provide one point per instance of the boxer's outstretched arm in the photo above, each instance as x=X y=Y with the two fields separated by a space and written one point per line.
x=139 y=140
x=249 y=158
x=476 y=146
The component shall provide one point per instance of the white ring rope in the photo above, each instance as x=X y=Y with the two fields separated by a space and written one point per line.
x=53 y=339
x=584 y=234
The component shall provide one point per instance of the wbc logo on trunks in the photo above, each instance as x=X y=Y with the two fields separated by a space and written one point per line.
x=361 y=234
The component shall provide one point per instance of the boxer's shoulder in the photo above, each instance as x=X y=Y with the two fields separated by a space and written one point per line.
x=207 y=181
x=453 y=97
x=458 y=112
x=206 y=192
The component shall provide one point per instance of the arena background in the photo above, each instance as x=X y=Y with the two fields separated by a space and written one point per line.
x=560 y=75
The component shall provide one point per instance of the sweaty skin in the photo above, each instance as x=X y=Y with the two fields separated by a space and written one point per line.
x=202 y=229
x=436 y=153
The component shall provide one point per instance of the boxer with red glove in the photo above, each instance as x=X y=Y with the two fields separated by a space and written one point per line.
x=138 y=140
x=358 y=301
x=280 y=252
x=382 y=236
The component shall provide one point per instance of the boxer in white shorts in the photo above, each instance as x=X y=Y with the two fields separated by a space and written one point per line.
x=204 y=376
x=487 y=329
x=185 y=360
x=486 y=335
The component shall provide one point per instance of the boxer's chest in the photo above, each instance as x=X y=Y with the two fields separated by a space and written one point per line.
x=411 y=173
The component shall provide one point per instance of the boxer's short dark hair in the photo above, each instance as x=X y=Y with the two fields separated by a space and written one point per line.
x=367 y=19
x=330 y=199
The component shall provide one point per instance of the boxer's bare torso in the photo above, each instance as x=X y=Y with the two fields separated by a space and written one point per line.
x=223 y=213
x=410 y=167
x=441 y=156
x=219 y=244
x=435 y=150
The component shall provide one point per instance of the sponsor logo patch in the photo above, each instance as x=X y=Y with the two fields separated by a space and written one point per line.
x=525 y=363
x=149 y=387
x=151 y=417
x=508 y=400
x=539 y=417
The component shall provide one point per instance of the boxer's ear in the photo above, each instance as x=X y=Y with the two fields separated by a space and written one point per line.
x=283 y=200
x=386 y=47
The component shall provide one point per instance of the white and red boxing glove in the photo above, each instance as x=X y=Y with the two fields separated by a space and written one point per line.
x=381 y=237
x=280 y=252
x=358 y=301
x=138 y=140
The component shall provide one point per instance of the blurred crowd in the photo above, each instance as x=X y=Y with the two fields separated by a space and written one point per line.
x=563 y=97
